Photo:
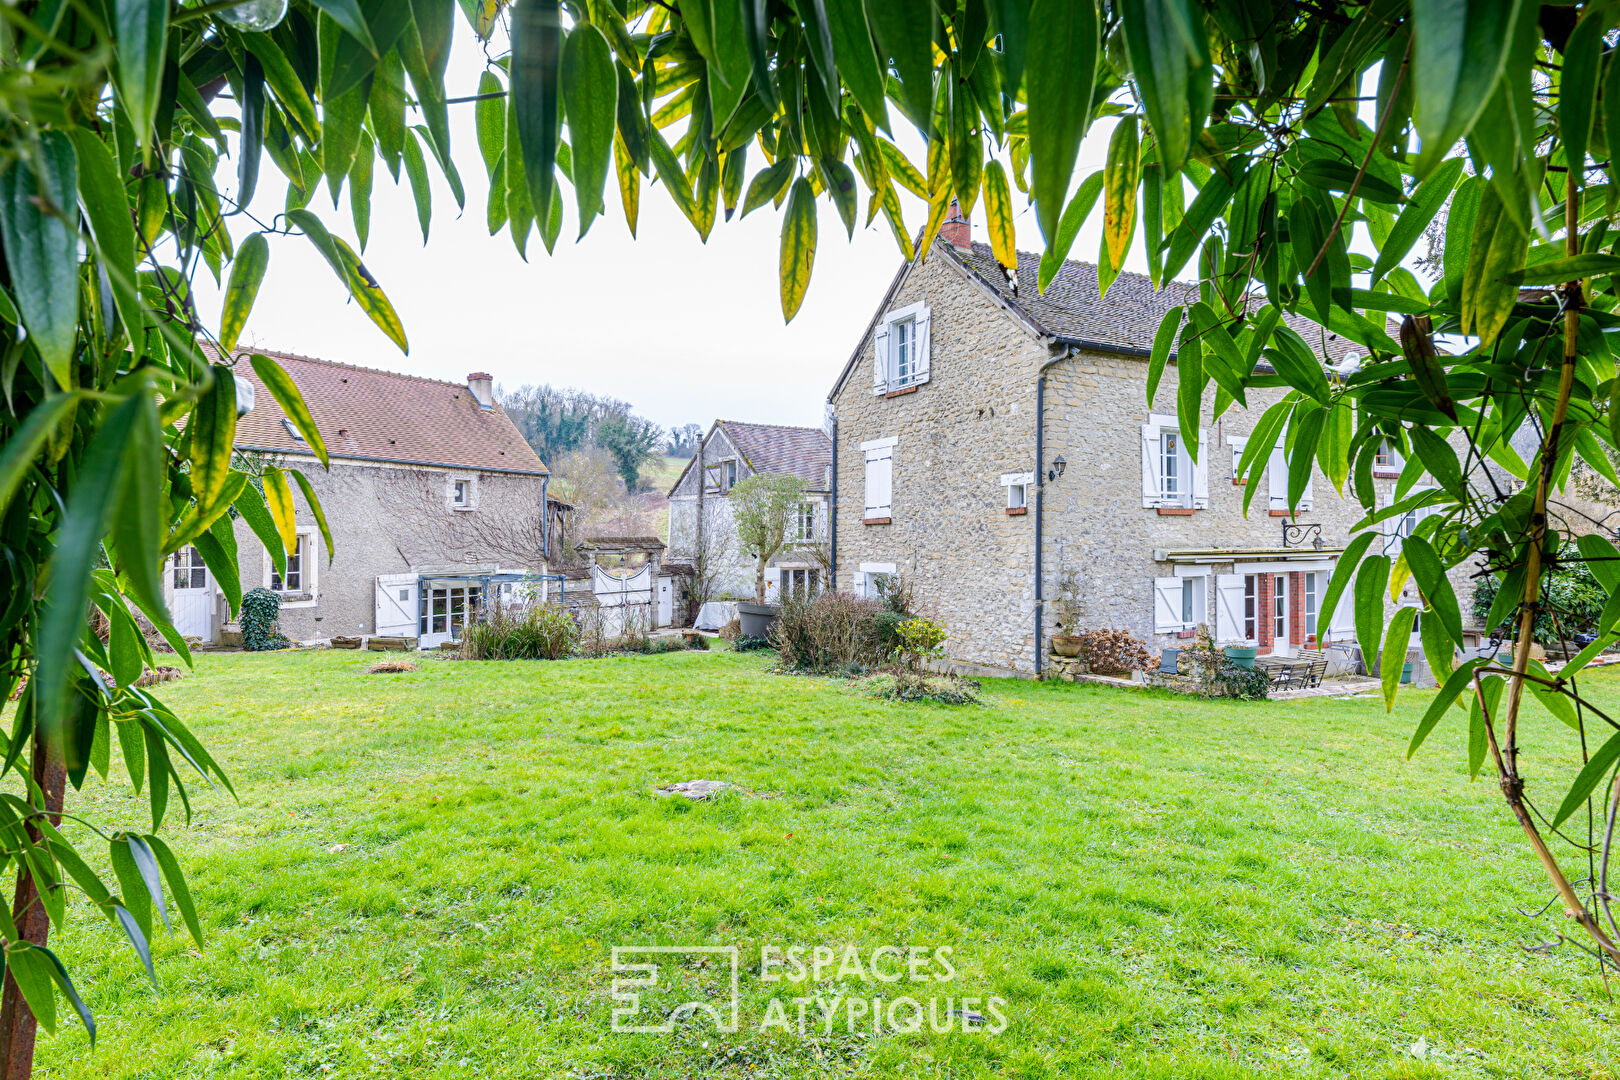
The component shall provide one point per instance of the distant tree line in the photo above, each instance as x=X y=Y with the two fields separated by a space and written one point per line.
x=557 y=422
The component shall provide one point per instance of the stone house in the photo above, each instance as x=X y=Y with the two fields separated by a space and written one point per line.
x=996 y=445
x=701 y=529
x=431 y=488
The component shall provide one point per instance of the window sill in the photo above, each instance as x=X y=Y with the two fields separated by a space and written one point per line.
x=1238 y=481
x=1176 y=511
x=1386 y=474
x=462 y=509
x=1280 y=513
x=1017 y=511
x=912 y=389
x=876 y=521
x=296 y=600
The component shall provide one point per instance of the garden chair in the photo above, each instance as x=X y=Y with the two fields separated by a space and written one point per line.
x=1314 y=672
x=1282 y=676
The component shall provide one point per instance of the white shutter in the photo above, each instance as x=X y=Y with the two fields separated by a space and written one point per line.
x=1228 y=607
x=1167 y=605
x=773 y=584
x=1200 y=472
x=1342 y=626
x=857 y=583
x=880 y=359
x=396 y=611
x=1277 y=477
x=879 y=482
x=924 y=326
x=1150 y=465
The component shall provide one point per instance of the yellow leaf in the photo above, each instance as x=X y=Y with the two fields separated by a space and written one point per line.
x=936 y=217
x=629 y=182
x=897 y=224
x=1120 y=178
x=278 y=497
x=998 y=214
x=798 y=247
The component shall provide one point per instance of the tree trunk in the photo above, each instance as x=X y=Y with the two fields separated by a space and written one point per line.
x=759 y=580
x=17 y=1023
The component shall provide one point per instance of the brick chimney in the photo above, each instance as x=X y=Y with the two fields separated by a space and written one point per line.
x=957 y=228
x=482 y=388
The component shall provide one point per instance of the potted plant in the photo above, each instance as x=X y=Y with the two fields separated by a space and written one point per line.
x=1068 y=643
x=765 y=509
x=1241 y=653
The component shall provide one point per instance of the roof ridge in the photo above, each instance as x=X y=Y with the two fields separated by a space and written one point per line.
x=285 y=355
x=1035 y=256
x=784 y=427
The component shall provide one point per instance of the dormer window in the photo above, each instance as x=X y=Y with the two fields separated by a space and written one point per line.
x=728 y=475
x=292 y=430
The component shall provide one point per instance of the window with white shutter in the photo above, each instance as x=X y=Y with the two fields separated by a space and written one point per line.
x=1178 y=603
x=900 y=349
x=879 y=478
x=1170 y=477
x=1277 y=479
x=1231 y=621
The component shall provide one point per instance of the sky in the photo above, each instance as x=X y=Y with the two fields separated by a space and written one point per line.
x=686 y=332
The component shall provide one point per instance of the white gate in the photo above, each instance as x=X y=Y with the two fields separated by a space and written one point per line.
x=193 y=595
x=666 y=601
x=397 y=606
x=614 y=594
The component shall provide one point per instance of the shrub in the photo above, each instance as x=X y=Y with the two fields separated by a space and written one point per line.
x=903 y=686
x=831 y=632
x=1114 y=650
x=920 y=639
x=1572 y=602
x=748 y=643
x=731 y=631
x=1245 y=684
x=533 y=633
x=261 y=632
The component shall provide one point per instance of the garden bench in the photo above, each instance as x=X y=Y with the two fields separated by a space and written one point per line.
x=1298 y=674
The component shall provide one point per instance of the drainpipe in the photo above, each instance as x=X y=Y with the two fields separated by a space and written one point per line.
x=1040 y=505
x=832 y=515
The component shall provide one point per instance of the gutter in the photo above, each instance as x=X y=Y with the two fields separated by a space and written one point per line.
x=396 y=461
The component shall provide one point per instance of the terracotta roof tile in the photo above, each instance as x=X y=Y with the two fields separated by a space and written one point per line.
x=385 y=416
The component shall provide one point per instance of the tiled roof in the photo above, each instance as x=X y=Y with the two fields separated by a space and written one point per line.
x=1126 y=318
x=775 y=448
x=377 y=415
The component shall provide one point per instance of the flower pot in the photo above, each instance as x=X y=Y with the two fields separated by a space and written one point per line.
x=1065 y=645
x=1406 y=673
x=1241 y=656
x=757 y=619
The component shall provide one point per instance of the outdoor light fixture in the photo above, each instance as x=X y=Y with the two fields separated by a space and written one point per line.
x=1059 y=463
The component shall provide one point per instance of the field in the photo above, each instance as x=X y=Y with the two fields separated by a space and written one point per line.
x=426 y=874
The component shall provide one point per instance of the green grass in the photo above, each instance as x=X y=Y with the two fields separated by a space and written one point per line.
x=426 y=872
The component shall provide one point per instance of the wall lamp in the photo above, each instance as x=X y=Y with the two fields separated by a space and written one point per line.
x=1059 y=463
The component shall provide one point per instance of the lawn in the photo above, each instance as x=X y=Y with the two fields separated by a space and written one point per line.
x=426 y=873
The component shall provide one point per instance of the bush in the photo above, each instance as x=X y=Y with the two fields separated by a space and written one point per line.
x=534 y=633
x=1245 y=684
x=920 y=639
x=940 y=689
x=748 y=643
x=1572 y=602
x=261 y=632
x=1114 y=651
x=830 y=632
x=731 y=631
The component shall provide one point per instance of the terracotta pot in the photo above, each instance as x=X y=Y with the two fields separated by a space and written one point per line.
x=1065 y=645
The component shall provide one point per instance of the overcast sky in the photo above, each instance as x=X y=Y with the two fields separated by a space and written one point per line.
x=686 y=332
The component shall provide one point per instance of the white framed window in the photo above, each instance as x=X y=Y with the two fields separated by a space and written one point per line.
x=801 y=581
x=879 y=477
x=1180 y=602
x=1170 y=477
x=1277 y=481
x=900 y=349
x=462 y=491
x=805 y=523
x=297 y=587
x=1251 y=607
x=873 y=578
x=1314 y=584
x=1387 y=461
x=1017 y=485
x=1279 y=607
x=189 y=571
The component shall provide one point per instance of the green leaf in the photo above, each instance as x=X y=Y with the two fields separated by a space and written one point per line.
x=1074 y=216
x=1163 y=39
x=1191 y=380
x=132 y=889
x=278 y=497
x=1121 y=176
x=123 y=645
x=42 y=248
x=1458 y=52
x=1430 y=576
x=590 y=87
x=140 y=523
x=387 y=109
x=964 y=143
x=1303 y=437
x=1163 y=339
x=998 y=212
x=904 y=30
x=1569 y=268
x=247 y=274
x=798 y=247
x=1371 y=580
x=856 y=59
x=489 y=114
x=222 y=563
x=537 y=43
x=141 y=29
x=107 y=208
x=1597 y=768
x=1058 y=79
x=1577 y=89
x=314 y=504
x=1440 y=459
x=1458 y=681
x=421 y=189
x=286 y=85
x=291 y=399
x=1602 y=559
x=768 y=183
x=177 y=887
x=25 y=441
x=346 y=14
x=1342 y=571
x=1426 y=202
x=29 y=969
x=1393 y=661
x=213 y=435
x=250 y=504
x=1293 y=360
x=352 y=272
